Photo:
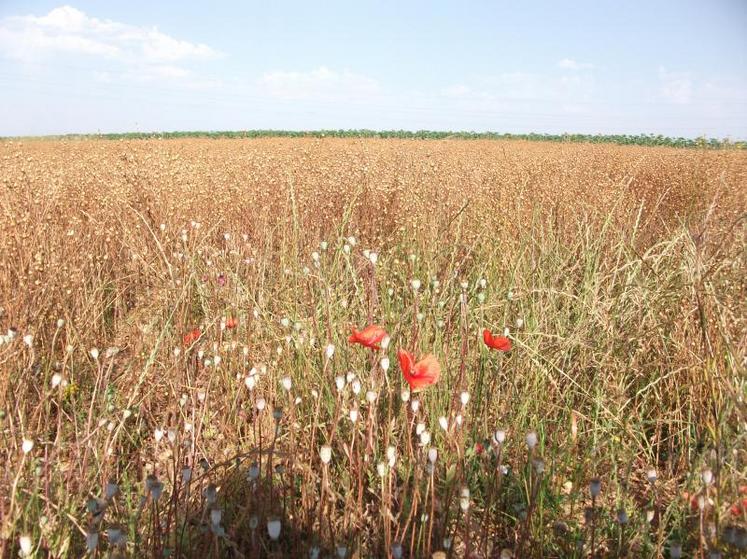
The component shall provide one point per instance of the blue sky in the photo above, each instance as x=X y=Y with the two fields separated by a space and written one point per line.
x=677 y=68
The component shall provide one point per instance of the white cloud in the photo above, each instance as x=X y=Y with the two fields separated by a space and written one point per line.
x=67 y=30
x=675 y=87
x=570 y=64
x=321 y=84
x=458 y=90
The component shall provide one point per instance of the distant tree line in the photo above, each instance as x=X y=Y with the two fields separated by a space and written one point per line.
x=621 y=139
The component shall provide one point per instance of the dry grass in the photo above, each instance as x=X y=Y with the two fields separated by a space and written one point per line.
x=620 y=272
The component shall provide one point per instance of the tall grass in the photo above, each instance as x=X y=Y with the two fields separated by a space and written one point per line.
x=613 y=427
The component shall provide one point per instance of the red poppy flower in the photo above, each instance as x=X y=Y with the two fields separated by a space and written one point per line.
x=692 y=499
x=738 y=509
x=192 y=336
x=369 y=337
x=421 y=374
x=232 y=322
x=501 y=343
x=479 y=448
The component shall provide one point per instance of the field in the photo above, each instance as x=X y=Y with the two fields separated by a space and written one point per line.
x=176 y=378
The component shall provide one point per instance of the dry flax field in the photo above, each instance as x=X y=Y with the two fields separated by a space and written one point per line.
x=177 y=377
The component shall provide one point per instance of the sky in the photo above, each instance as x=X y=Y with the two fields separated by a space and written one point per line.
x=677 y=68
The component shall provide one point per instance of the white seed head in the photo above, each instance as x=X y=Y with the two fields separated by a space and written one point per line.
x=273 y=528
x=56 y=380
x=261 y=404
x=374 y=258
x=499 y=437
x=94 y=353
x=340 y=383
x=531 y=440
x=329 y=351
x=158 y=434
x=519 y=323
x=371 y=396
x=355 y=386
x=253 y=473
x=432 y=455
x=385 y=342
x=415 y=284
x=26 y=545
x=352 y=241
x=425 y=438
x=353 y=415
x=381 y=469
x=464 y=499
x=250 y=381
x=384 y=364
x=651 y=475
x=27 y=446
x=325 y=453
x=443 y=423
x=391 y=456
x=28 y=339
x=215 y=516
x=707 y=476
x=286 y=383
x=405 y=395
x=60 y=322
x=415 y=405
x=464 y=398
x=419 y=428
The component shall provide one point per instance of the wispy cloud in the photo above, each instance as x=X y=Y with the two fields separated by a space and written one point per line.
x=456 y=90
x=675 y=87
x=570 y=64
x=321 y=83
